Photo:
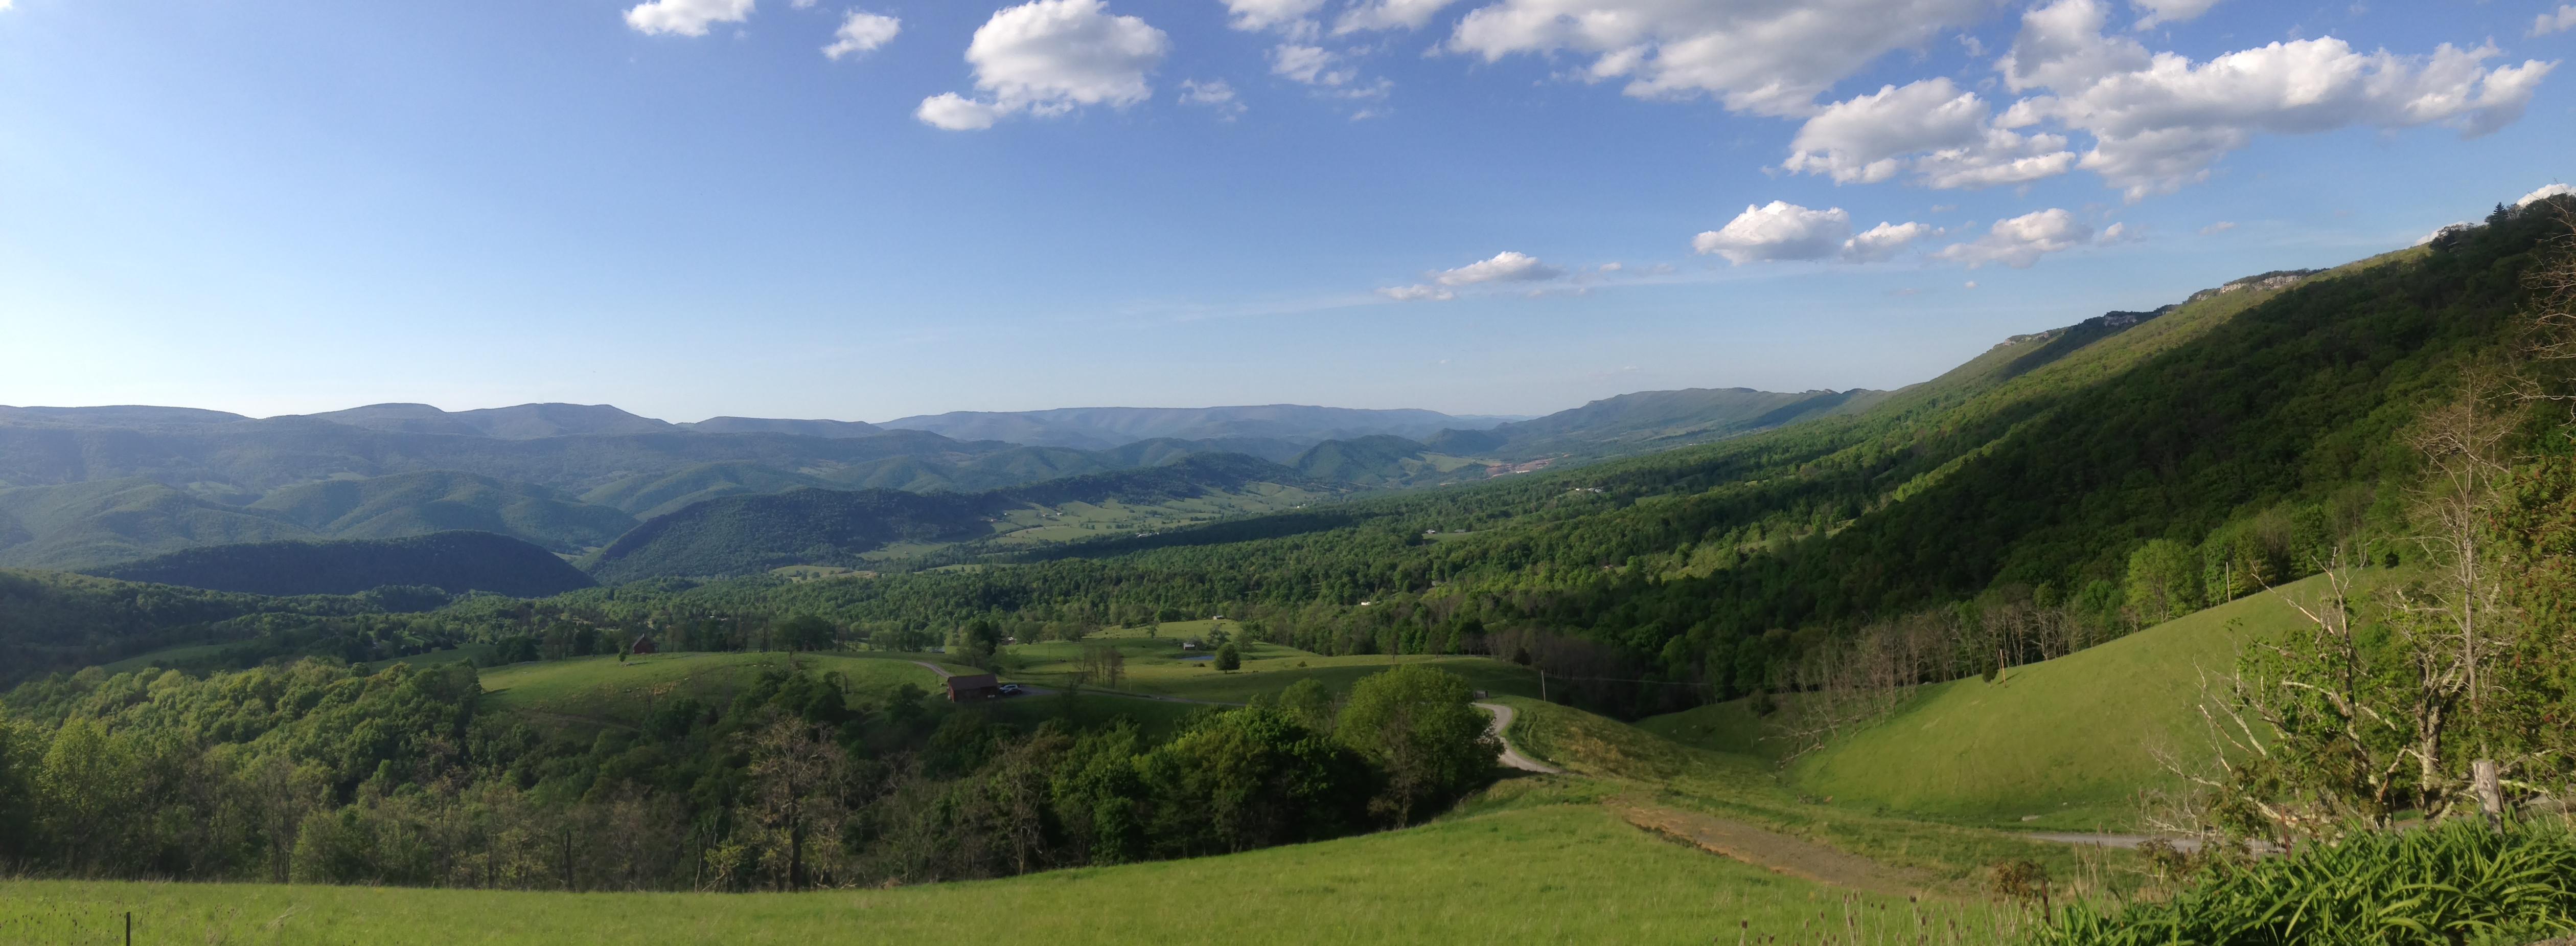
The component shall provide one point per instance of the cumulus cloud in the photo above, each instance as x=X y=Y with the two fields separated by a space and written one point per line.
x=2159 y=121
x=2021 y=241
x=2553 y=190
x=1881 y=243
x=1506 y=266
x=1784 y=232
x=2218 y=228
x=680 y=17
x=861 y=33
x=1387 y=15
x=955 y=112
x=1215 y=94
x=1768 y=58
x=1257 y=15
x=2156 y=120
x=2062 y=46
x=2555 y=21
x=1944 y=135
x=1774 y=232
x=1048 y=57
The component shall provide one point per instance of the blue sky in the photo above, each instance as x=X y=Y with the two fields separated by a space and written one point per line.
x=688 y=208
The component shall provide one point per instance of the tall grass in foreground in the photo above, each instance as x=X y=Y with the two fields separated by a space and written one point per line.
x=2456 y=883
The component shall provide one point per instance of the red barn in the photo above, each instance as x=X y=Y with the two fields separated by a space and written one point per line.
x=973 y=686
x=642 y=645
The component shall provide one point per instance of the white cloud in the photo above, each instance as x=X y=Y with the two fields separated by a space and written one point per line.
x=1972 y=284
x=2061 y=46
x=1503 y=267
x=2553 y=190
x=1417 y=294
x=955 y=112
x=685 y=17
x=2170 y=11
x=2021 y=241
x=2559 y=20
x=1388 y=15
x=1215 y=94
x=1770 y=57
x=1881 y=243
x=1256 y=15
x=861 y=33
x=1944 y=135
x=1612 y=267
x=1048 y=57
x=2160 y=120
x=1506 y=266
x=1783 y=232
x=1312 y=65
x=2218 y=228
x=1777 y=231
x=4 y=4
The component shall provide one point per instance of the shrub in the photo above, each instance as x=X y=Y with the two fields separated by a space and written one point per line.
x=2457 y=882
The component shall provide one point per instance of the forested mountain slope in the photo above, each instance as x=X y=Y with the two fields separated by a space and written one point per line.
x=79 y=525
x=440 y=501
x=754 y=533
x=2246 y=427
x=454 y=562
x=1656 y=420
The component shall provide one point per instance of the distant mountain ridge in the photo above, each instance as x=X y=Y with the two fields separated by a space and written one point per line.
x=1100 y=428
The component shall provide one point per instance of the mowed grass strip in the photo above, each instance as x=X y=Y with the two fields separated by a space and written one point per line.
x=1568 y=874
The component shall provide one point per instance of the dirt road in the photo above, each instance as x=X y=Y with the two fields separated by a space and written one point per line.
x=1511 y=756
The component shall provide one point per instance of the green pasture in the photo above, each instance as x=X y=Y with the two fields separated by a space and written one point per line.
x=1543 y=873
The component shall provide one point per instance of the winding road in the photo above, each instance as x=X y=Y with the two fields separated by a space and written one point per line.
x=1512 y=756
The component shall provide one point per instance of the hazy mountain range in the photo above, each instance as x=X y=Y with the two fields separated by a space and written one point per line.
x=89 y=487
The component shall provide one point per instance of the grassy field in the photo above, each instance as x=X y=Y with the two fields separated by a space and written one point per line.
x=2065 y=744
x=1159 y=666
x=1534 y=873
x=1644 y=766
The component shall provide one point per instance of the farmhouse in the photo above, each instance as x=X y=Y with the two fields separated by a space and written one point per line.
x=642 y=646
x=973 y=686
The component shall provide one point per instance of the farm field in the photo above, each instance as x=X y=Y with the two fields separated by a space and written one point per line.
x=1075 y=521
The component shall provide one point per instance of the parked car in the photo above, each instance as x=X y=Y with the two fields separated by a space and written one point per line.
x=1011 y=689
